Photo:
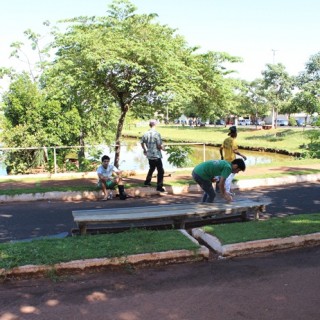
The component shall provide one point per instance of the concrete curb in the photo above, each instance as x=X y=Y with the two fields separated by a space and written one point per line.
x=94 y=195
x=167 y=257
x=149 y=191
x=249 y=184
x=258 y=246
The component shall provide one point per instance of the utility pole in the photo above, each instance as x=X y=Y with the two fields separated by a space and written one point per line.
x=273 y=55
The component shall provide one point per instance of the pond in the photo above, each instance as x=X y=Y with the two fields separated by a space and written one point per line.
x=132 y=157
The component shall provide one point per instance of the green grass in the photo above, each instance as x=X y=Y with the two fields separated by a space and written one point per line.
x=290 y=140
x=267 y=229
x=52 y=251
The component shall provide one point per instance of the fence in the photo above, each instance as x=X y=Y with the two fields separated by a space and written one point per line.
x=54 y=150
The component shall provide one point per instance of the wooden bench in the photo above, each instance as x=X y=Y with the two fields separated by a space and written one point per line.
x=267 y=126
x=178 y=214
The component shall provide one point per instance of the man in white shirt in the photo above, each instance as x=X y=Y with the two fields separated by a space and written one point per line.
x=110 y=177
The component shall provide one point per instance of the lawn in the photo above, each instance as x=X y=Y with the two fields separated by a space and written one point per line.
x=290 y=140
x=52 y=251
x=273 y=228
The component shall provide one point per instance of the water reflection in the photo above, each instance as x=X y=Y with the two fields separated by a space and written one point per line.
x=132 y=157
x=3 y=171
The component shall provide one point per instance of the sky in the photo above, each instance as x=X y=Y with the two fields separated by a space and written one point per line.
x=259 y=31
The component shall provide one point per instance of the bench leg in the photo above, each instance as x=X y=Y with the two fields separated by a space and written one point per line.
x=244 y=216
x=179 y=224
x=256 y=214
x=261 y=209
x=83 y=228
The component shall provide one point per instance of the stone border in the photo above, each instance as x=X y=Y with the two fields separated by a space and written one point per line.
x=245 y=248
x=149 y=191
x=249 y=184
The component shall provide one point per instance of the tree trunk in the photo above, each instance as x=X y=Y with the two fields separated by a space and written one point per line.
x=273 y=117
x=124 y=111
x=81 y=152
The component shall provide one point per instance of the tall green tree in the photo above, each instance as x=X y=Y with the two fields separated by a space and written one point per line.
x=278 y=87
x=32 y=120
x=253 y=99
x=105 y=68
x=216 y=97
x=308 y=96
x=125 y=60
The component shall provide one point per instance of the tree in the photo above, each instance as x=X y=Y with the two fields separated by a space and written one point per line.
x=31 y=120
x=105 y=68
x=127 y=60
x=278 y=85
x=42 y=53
x=308 y=97
x=253 y=100
x=216 y=96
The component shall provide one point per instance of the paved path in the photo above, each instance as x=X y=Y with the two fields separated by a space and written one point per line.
x=23 y=220
x=277 y=286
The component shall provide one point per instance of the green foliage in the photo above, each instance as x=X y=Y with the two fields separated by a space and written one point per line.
x=130 y=62
x=252 y=99
x=314 y=145
x=105 y=67
x=307 y=99
x=179 y=155
x=316 y=122
x=292 y=121
x=278 y=86
x=216 y=97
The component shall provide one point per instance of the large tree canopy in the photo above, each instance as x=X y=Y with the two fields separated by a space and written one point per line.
x=278 y=87
x=105 y=67
x=129 y=61
x=308 y=97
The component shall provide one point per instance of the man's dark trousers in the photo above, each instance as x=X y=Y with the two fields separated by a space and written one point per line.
x=153 y=164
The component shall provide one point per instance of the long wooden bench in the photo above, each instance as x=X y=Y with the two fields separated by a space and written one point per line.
x=178 y=214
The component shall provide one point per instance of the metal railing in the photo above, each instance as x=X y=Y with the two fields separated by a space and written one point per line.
x=55 y=148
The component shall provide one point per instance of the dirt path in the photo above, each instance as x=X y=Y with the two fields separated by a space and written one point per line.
x=266 y=286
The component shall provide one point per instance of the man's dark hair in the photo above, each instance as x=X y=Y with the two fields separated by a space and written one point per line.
x=233 y=134
x=240 y=163
x=104 y=158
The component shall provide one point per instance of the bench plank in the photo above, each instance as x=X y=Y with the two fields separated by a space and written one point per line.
x=158 y=208
x=178 y=213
